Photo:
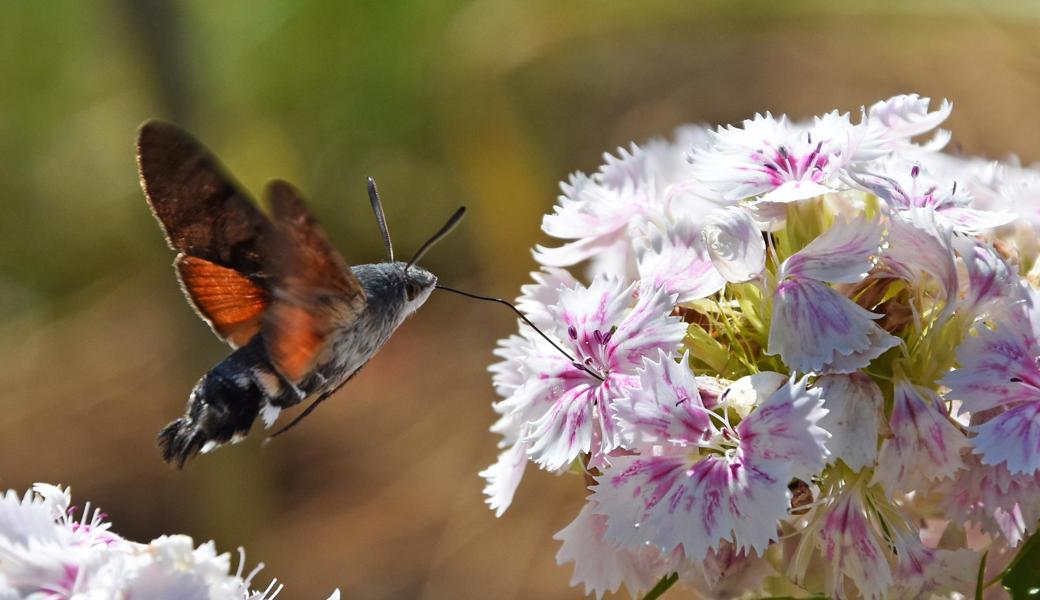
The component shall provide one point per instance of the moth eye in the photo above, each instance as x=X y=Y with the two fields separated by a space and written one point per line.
x=412 y=290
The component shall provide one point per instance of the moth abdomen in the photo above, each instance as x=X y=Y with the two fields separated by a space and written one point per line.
x=225 y=402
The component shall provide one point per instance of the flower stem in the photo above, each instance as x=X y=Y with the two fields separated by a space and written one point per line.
x=662 y=586
x=980 y=583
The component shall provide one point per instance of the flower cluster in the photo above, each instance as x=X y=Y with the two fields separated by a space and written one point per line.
x=799 y=357
x=46 y=553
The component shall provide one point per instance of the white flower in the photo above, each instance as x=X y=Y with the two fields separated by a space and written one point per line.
x=566 y=407
x=46 y=554
x=600 y=213
x=906 y=187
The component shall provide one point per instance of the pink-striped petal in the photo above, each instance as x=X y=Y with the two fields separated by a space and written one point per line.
x=666 y=407
x=646 y=330
x=998 y=366
x=677 y=262
x=588 y=314
x=845 y=253
x=670 y=503
x=852 y=545
x=921 y=572
x=925 y=444
x=989 y=277
x=785 y=428
x=580 y=421
x=1002 y=504
x=565 y=430
x=1011 y=438
x=817 y=330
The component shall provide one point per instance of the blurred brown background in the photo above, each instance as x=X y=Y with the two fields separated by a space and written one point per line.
x=487 y=103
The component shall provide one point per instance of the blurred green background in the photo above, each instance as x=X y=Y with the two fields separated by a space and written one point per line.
x=484 y=103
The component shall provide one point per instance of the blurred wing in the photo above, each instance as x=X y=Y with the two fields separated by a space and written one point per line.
x=214 y=226
x=313 y=290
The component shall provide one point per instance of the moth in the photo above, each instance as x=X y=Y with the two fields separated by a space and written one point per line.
x=300 y=320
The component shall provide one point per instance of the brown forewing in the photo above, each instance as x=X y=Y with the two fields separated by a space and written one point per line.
x=201 y=209
x=212 y=223
x=313 y=290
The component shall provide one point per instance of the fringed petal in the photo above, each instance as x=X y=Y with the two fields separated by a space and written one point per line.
x=1012 y=438
x=853 y=403
x=504 y=477
x=536 y=298
x=998 y=366
x=646 y=330
x=600 y=565
x=785 y=428
x=896 y=120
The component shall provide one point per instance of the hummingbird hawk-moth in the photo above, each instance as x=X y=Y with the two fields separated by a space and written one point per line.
x=301 y=321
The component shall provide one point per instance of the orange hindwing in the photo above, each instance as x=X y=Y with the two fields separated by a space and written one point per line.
x=232 y=303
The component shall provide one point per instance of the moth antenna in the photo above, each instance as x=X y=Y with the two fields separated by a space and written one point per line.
x=310 y=408
x=443 y=231
x=524 y=318
x=377 y=207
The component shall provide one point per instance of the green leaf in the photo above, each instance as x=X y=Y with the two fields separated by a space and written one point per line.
x=1022 y=577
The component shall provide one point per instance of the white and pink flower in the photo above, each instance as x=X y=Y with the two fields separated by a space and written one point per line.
x=714 y=483
x=806 y=350
x=565 y=407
